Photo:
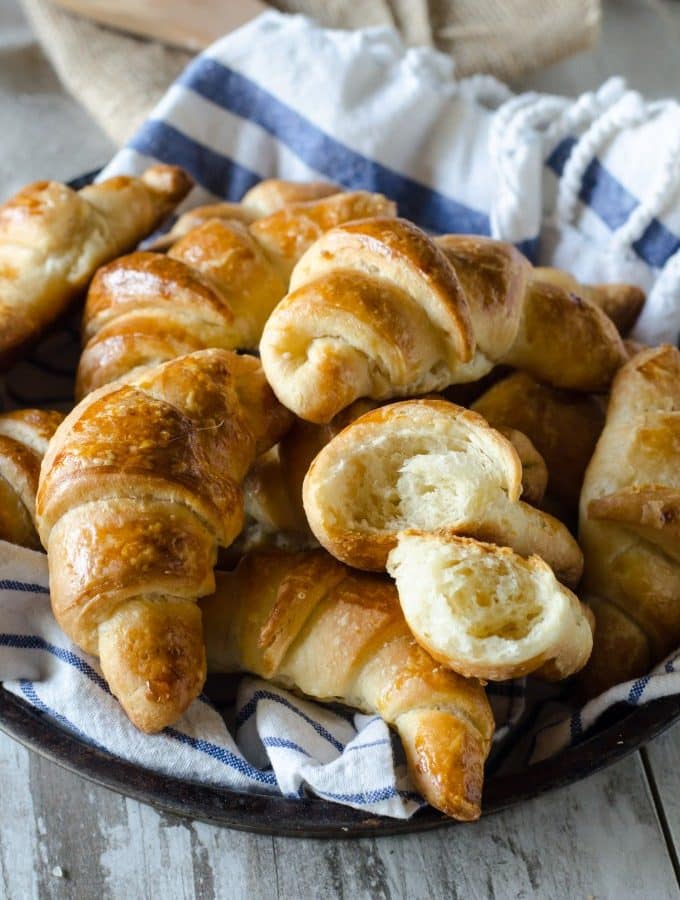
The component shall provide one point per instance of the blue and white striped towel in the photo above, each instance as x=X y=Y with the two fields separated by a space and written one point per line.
x=592 y=185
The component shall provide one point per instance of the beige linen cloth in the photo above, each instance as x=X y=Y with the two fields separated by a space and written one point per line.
x=120 y=78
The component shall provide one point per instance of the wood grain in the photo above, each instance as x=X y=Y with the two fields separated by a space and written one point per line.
x=664 y=761
x=599 y=838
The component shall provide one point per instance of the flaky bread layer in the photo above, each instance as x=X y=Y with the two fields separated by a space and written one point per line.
x=485 y=611
x=428 y=465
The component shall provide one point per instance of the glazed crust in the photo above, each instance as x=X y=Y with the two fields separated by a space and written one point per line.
x=564 y=426
x=374 y=310
x=629 y=513
x=215 y=288
x=52 y=240
x=24 y=435
x=621 y=302
x=377 y=309
x=265 y=198
x=139 y=485
x=566 y=341
x=310 y=624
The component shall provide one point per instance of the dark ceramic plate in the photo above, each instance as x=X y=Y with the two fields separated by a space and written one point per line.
x=626 y=729
x=620 y=732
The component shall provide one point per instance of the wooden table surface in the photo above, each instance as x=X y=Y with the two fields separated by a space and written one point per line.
x=613 y=835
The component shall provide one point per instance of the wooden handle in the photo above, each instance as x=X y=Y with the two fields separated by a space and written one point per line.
x=192 y=26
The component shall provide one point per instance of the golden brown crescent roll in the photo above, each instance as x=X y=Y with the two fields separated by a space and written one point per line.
x=312 y=625
x=484 y=610
x=24 y=435
x=629 y=525
x=428 y=465
x=622 y=302
x=265 y=198
x=556 y=335
x=139 y=485
x=52 y=239
x=215 y=288
x=563 y=426
x=272 y=194
x=377 y=309
x=287 y=233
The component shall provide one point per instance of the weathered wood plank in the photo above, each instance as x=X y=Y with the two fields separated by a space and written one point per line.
x=664 y=758
x=20 y=829
x=600 y=838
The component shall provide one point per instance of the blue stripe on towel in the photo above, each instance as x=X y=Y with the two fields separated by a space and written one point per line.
x=575 y=727
x=6 y=585
x=33 y=642
x=637 y=689
x=247 y=711
x=242 y=97
x=285 y=744
x=215 y=172
x=28 y=690
x=221 y=754
x=614 y=203
x=380 y=743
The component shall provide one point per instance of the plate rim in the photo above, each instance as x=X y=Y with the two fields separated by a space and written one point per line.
x=277 y=815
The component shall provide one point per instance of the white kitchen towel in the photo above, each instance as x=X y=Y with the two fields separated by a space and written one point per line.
x=281 y=743
x=592 y=185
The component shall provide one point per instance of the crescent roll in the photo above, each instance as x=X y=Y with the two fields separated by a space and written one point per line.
x=52 y=240
x=630 y=522
x=24 y=435
x=621 y=302
x=215 y=288
x=265 y=198
x=377 y=309
x=139 y=486
x=485 y=611
x=564 y=426
x=428 y=465
x=312 y=625
x=558 y=336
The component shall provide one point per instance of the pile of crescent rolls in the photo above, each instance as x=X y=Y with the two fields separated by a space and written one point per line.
x=421 y=463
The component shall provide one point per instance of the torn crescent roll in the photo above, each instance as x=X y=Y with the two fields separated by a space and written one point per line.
x=273 y=488
x=429 y=465
x=485 y=611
